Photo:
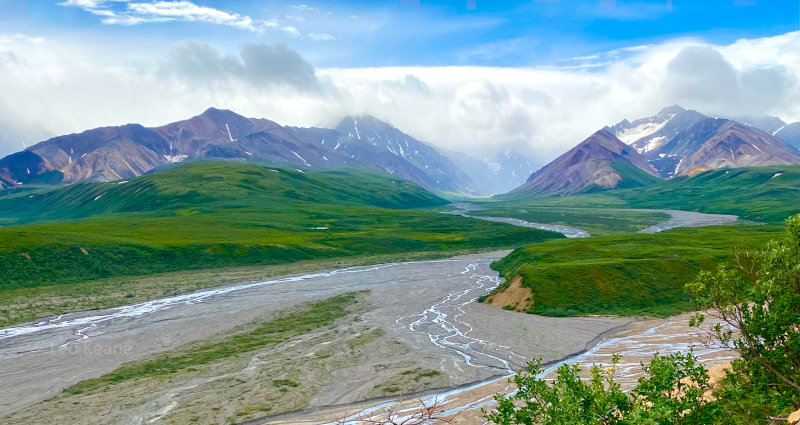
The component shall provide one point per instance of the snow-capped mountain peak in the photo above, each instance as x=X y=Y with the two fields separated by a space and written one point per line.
x=674 y=134
x=646 y=134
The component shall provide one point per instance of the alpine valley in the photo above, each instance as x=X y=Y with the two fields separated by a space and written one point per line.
x=404 y=212
x=231 y=270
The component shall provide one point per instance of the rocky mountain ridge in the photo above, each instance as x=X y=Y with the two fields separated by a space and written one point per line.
x=671 y=138
x=121 y=152
x=600 y=162
x=674 y=142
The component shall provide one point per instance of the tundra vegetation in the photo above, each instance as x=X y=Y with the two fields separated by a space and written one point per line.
x=632 y=274
x=213 y=215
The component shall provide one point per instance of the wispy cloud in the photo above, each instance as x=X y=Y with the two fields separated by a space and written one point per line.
x=305 y=7
x=582 y=58
x=603 y=59
x=320 y=37
x=19 y=38
x=122 y=12
x=498 y=50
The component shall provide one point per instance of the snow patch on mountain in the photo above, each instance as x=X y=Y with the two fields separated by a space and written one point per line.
x=169 y=158
x=630 y=135
x=355 y=125
x=652 y=144
x=301 y=158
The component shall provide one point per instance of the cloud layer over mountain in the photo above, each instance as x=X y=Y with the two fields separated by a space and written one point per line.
x=65 y=86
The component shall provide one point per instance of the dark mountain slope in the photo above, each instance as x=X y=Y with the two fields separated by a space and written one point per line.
x=600 y=162
x=648 y=134
x=370 y=140
x=737 y=145
x=687 y=141
x=790 y=133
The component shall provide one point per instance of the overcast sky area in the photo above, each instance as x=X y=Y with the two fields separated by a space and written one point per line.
x=536 y=76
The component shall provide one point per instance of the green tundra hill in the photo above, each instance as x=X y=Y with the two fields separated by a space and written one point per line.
x=221 y=214
x=634 y=274
x=216 y=186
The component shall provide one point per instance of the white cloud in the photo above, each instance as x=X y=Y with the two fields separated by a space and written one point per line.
x=305 y=8
x=541 y=111
x=127 y=12
x=9 y=39
x=131 y=12
x=322 y=37
x=291 y=30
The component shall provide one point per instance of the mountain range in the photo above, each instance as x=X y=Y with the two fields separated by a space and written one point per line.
x=671 y=143
x=674 y=142
x=131 y=150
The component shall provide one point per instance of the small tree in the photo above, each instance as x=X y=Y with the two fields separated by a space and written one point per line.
x=756 y=300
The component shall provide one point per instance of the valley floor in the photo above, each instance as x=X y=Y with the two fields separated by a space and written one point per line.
x=250 y=351
x=415 y=329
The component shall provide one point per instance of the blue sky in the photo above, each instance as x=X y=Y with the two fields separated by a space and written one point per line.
x=412 y=32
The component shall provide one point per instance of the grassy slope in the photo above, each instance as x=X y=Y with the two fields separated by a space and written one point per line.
x=206 y=215
x=624 y=274
x=633 y=176
x=752 y=193
x=214 y=186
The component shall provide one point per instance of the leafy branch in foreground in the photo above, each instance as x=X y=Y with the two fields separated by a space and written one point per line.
x=756 y=301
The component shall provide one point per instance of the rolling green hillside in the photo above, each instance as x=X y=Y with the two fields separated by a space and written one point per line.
x=763 y=194
x=624 y=274
x=633 y=176
x=214 y=186
x=217 y=214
